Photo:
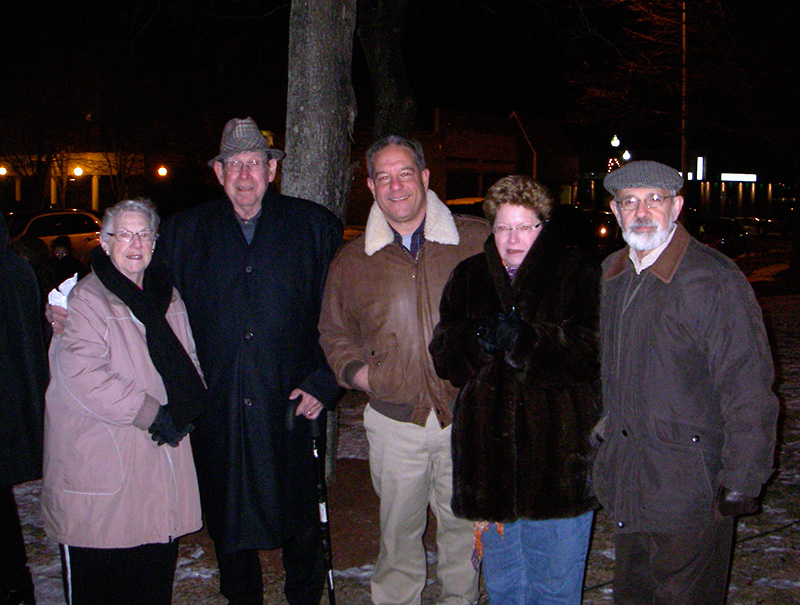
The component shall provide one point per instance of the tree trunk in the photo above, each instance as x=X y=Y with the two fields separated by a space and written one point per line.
x=380 y=30
x=321 y=106
x=320 y=111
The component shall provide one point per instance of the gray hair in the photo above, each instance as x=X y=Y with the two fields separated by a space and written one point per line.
x=141 y=205
x=395 y=139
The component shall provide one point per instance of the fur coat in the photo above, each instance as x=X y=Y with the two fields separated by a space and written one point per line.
x=523 y=418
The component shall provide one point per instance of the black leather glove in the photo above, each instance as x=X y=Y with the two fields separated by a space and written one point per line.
x=163 y=429
x=733 y=504
x=501 y=333
x=487 y=338
x=508 y=326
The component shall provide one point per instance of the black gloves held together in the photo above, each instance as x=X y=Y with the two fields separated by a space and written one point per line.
x=501 y=333
x=163 y=428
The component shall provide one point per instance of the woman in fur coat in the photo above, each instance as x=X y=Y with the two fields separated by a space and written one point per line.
x=518 y=336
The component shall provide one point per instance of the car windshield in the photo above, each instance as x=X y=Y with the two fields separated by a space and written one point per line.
x=62 y=224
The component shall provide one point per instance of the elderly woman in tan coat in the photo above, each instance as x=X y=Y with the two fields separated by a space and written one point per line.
x=119 y=479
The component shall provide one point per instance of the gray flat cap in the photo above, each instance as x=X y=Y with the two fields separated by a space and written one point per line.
x=643 y=173
x=243 y=135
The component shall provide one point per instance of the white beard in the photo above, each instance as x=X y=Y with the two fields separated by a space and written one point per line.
x=644 y=242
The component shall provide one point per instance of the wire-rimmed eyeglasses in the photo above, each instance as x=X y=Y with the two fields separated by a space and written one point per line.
x=520 y=229
x=238 y=165
x=653 y=200
x=125 y=236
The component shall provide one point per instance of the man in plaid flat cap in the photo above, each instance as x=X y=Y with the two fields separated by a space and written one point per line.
x=251 y=267
x=690 y=416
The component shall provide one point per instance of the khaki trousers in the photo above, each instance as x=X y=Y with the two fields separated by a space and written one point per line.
x=412 y=468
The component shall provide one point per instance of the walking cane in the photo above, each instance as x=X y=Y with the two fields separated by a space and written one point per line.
x=322 y=492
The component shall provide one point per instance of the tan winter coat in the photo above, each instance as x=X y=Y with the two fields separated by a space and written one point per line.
x=107 y=484
x=381 y=305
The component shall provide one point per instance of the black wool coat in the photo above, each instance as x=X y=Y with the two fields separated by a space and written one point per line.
x=254 y=310
x=23 y=369
x=523 y=418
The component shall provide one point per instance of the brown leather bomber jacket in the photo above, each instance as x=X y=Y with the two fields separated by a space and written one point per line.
x=381 y=305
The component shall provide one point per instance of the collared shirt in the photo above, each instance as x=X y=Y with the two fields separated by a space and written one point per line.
x=651 y=257
x=412 y=242
x=248 y=225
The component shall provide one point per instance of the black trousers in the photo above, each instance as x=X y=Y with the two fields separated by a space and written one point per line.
x=121 y=576
x=674 y=569
x=240 y=572
x=15 y=577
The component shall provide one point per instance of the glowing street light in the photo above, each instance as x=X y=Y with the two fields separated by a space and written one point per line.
x=162 y=171
x=626 y=155
x=615 y=141
x=3 y=171
x=77 y=171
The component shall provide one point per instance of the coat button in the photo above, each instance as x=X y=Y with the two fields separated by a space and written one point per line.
x=620 y=524
x=624 y=433
x=248 y=269
x=248 y=402
x=248 y=335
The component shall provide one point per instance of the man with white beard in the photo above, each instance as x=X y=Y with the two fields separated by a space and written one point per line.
x=688 y=434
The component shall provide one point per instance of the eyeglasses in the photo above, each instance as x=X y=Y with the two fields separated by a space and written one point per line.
x=651 y=201
x=238 y=166
x=522 y=229
x=125 y=236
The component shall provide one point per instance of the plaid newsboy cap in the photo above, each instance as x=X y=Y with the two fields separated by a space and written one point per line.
x=643 y=173
x=240 y=136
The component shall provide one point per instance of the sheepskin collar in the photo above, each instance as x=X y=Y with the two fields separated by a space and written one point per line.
x=439 y=226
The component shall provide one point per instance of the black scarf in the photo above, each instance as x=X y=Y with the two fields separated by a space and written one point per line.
x=186 y=395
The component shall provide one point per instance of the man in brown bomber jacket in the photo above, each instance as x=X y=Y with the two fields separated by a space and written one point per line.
x=380 y=306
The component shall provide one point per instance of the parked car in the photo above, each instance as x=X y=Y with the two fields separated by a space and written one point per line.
x=82 y=227
x=595 y=231
x=719 y=232
x=755 y=225
x=472 y=206
x=16 y=221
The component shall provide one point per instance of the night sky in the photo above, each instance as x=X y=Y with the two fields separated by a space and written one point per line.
x=166 y=76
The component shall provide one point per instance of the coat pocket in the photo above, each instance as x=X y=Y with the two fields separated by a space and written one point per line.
x=93 y=464
x=387 y=373
x=681 y=467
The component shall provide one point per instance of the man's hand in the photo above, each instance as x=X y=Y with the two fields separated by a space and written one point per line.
x=361 y=379
x=309 y=406
x=57 y=316
x=733 y=504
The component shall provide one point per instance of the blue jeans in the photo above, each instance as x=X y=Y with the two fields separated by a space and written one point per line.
x=537 y=562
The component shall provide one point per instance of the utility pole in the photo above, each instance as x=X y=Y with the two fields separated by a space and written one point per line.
x=684 y=103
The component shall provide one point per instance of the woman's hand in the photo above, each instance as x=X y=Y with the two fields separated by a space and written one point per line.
x=57 y=317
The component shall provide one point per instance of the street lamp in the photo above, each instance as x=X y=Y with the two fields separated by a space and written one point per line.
x=162 y=171
x=77 y=171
